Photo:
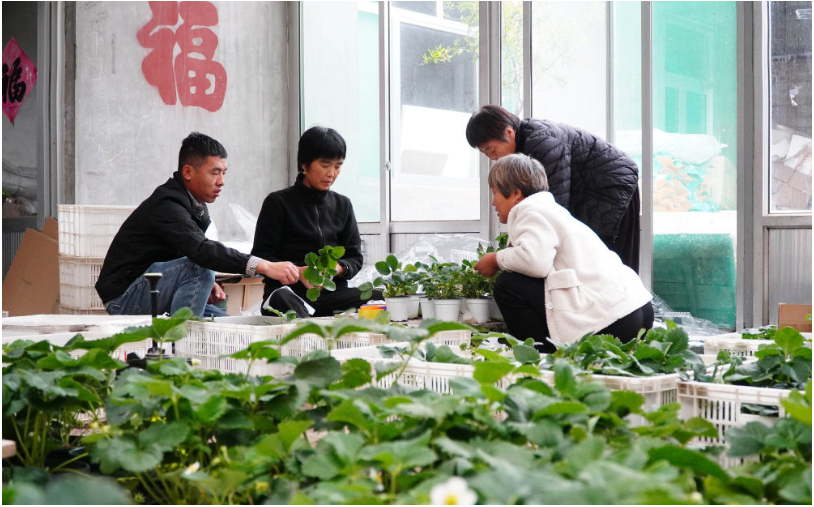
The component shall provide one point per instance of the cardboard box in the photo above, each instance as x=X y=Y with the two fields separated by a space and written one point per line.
x=50 y=228
x=794 y=316
x=31 y=286
x=243 y=295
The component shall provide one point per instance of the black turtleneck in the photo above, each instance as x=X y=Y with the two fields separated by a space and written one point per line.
x=298 y=220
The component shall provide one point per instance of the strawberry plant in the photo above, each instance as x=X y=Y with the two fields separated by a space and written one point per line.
x=473 y=284
x=326 y=434
x=658 y=351
x=760 y=333
x=322 y=269
x=783 y=473
x=784 y=364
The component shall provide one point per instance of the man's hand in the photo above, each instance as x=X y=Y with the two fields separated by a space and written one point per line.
x=217 y=295
x=284 y=272
x=487 y=265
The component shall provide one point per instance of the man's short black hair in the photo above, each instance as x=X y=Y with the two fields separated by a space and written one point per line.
x=490 y=123
x=196 y=147
x=320 y=143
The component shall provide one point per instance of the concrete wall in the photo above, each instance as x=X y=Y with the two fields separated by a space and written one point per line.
x=127 y=137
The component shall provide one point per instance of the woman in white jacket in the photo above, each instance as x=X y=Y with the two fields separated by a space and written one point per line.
x=559 y=280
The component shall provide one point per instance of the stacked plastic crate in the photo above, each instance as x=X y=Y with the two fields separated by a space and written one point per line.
x=85 y=233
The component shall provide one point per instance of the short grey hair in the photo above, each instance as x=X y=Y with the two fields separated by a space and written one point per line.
x=518 y=171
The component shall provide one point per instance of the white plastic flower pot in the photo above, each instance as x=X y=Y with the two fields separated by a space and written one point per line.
x=494 y=311
x=479 y=308
x=399 y=308
x=414 y=303
x=447 y=309
x=427 y=308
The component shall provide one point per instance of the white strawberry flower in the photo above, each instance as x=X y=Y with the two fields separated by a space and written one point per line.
x=191 y=469
x=453 y=492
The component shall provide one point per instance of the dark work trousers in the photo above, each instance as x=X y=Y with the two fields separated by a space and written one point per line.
x=626 y=241
x=329 y=302
x=521 y=300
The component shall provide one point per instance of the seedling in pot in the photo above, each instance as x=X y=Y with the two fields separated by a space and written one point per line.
x=396 y=280
x=473 y=284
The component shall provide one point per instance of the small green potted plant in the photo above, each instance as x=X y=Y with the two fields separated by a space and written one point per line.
x=500 y=242
x=398 y=282
x=447 y=291
x=429 y=289
x=476 y=291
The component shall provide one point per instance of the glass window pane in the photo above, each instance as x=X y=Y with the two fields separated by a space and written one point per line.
x=21 y=175
x=434 y=91
x=569 y=63
x=511 y=65
x=694 y=157
x=340 y=68
x=790 y=134
x=627 y=79
x=430 y=8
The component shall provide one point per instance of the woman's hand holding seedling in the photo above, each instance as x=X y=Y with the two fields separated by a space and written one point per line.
x=487 y=265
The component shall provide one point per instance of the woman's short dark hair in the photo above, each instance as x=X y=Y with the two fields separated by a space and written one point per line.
x=518 y=171
x=490 y=123
x=196 y=147
x=319 y=143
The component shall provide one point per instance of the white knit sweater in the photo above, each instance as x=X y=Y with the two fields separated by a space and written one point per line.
x=587 y=287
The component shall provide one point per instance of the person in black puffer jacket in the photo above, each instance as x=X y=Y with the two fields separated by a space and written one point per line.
x=305 y=217
x=594 y=180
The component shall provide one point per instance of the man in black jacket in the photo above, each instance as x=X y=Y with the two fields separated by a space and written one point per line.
x=594 y=180
x=165 y=234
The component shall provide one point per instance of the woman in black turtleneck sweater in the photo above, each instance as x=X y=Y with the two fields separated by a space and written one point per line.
x=307 y=216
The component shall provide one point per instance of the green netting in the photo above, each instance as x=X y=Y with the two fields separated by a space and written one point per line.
x=696 y=273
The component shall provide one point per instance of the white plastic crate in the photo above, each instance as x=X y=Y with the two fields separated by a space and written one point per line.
x=721 y=404
x=737 y=346
x=417 y=374
x=436 y=376
x=70 y=310
x=60 y=339
x=453 y=339
x=657 y=390
x=207 y=341
x=56 y=323
x=236 y=331
x=77 y=282
x=88 y=230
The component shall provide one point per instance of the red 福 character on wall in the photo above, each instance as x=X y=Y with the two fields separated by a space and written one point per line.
x=194 y=66
x=157 y=66
x=199 y=80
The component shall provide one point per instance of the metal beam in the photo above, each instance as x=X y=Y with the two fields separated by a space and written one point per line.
x=489 y=93
x=646 y=242
x=527 y=62
x=384 y=124
x=295 y=70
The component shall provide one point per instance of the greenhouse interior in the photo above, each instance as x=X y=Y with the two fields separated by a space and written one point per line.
x=409 y=252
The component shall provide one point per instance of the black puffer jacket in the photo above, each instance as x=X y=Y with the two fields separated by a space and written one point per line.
x=594 y=180
x=298 y=220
